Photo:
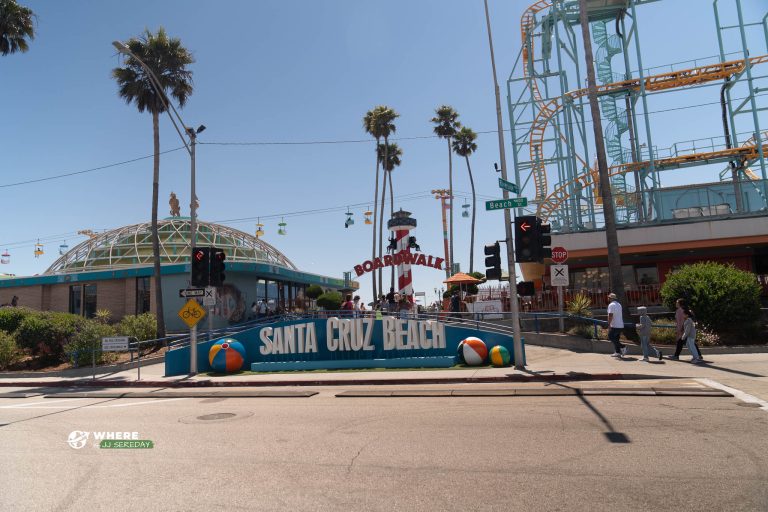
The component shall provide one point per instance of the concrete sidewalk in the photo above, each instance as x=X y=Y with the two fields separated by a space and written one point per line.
x=747 y=372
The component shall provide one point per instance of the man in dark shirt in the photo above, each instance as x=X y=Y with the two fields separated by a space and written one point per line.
x=391 y=301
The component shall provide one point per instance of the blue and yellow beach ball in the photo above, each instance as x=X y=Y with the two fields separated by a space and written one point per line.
x=499 y=356
x=227 y=355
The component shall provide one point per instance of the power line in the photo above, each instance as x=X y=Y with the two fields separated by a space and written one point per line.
x=100 y=168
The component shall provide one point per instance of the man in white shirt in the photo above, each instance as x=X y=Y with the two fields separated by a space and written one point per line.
x=615 y=325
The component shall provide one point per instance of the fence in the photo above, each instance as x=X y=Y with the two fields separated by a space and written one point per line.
x=546 y=300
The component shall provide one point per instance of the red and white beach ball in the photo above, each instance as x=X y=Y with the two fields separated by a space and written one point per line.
x=473 y=351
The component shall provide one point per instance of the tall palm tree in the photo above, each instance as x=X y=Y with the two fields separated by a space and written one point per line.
x=168 y=59
x=371 y=127
x=389 y=156
x=446 y=124
x=385 y=125
x=611 y=237
x=464 y=145
x=16 y=26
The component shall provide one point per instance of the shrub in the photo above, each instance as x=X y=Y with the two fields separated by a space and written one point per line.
x=10 y=318
x=142 y=327
x=330 y=301
x=706 y=337
x=719 y=295
x=10 y=353
x=86 y=340
x=584 y=330
x=314 y=291
x=580 y=305
x=102 y=316
x=46 y=333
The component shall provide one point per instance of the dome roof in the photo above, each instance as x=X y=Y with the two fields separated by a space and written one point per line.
x=131 y=246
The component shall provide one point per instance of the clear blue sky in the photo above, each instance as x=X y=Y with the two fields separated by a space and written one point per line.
x=284 y=71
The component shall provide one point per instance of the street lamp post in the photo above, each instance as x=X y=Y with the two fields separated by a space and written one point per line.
x=192 y=133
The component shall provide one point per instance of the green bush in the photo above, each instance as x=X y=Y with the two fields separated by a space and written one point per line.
x=330 y=301
x=583 y=330
x=48 y=332
x=10 y=318
x=142 y=327
x=580 y=305
x=314 y=291
x=10 y=353
x=85 y=340
x=719 y=295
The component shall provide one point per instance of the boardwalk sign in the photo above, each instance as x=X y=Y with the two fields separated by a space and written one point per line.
x=402 y=257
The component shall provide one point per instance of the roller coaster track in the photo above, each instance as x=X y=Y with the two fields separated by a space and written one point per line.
x=560 y=194
x=527 y=24
x=662 y=81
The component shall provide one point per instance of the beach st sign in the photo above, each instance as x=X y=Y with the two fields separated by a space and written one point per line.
x=503 y=204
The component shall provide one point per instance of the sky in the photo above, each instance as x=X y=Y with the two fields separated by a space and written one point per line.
x=290 y=72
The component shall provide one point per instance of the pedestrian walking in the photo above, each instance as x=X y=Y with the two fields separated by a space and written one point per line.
x=645 y=334
x=455 y=305
x=392 y=300
x=405 y=307
x=680 y=317
x=689 y=336
x=348 y=307
x=615 y=326
x=359 y=307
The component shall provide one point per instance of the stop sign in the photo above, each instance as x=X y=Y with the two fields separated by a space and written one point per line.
x=559 y=255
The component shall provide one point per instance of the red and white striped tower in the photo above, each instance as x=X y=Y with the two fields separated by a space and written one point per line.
x=401 y=224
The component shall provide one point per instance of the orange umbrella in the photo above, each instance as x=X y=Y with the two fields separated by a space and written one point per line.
x=462 y=278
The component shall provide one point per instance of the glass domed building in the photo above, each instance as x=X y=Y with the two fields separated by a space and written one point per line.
x=114 y=270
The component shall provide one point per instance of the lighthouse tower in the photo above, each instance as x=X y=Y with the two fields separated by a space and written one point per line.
x=401 y=224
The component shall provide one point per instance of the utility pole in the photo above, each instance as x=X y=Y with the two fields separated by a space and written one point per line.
x=518 y=340
x=611 y=238
x=443 y=194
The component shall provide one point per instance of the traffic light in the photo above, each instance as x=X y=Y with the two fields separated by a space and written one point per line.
x=532 y=239
x=200 y=265
x=526 y=289
x=493 y=261
x=217 y=266
x=525 y=238
x=543 y=239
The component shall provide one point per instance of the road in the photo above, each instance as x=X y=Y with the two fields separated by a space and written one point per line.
x=325 y=452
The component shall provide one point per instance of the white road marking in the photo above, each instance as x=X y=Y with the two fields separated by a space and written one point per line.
x=22 y=406
x=744 y=397
x=154 y=401
x=36 y=405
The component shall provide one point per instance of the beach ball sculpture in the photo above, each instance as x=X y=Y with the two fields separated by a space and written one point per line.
x=472 y=351
x=226 y=356
x=500 y=356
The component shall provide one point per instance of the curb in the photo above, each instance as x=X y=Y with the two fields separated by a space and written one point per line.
x=572 y=376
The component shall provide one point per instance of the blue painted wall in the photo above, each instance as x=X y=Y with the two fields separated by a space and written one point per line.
x=177 y=361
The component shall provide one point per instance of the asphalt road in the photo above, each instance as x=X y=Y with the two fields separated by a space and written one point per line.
x=397 y=453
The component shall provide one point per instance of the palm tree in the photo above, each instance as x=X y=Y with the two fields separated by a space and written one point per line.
x=371 y=126
x=389 y=156
x=385 y=125
x=611 y=237
x=168 y=59
x=16 y=26
x=464 y=145
x=446 y=123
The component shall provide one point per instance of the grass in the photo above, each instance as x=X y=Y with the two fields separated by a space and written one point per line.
x=348 y=370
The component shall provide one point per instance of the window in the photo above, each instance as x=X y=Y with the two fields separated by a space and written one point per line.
x=647 y=275
x=143 y=286
x=89 y=300
x=76 y=299
x=82 y=300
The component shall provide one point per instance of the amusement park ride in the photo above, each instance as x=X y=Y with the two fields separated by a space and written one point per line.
x=547 y=117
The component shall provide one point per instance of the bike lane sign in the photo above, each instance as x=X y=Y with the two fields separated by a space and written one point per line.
x=191 y=312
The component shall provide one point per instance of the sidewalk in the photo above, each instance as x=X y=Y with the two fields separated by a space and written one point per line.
x=748 y=372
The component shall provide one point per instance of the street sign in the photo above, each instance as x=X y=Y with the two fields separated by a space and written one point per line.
x=558 y=274
x=559 y=255
x=508 y=185
x=114 y=344
x=503 y=204
x=191 y=313
x=192 y=292
x=209 y=299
